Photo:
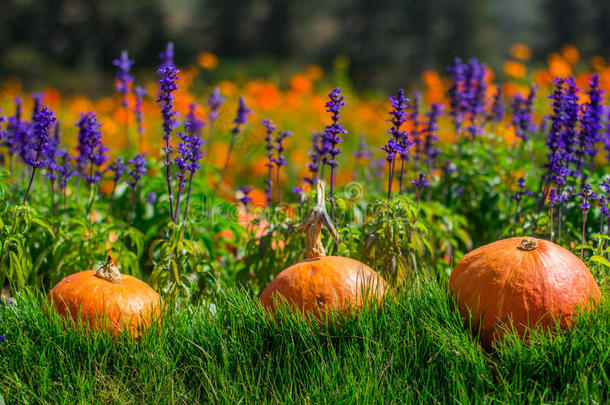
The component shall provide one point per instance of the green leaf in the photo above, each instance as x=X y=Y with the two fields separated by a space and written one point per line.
x=43 y=222
x=600 y=260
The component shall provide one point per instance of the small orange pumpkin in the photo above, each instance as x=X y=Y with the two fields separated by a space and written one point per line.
x=528 y=282
x=105 y=298
x=322 y=282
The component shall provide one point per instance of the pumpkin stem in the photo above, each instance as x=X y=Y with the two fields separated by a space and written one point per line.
x=528 y=244
x=109 y=271
x=312 y=226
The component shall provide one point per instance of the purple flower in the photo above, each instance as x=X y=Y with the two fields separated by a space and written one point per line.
x=118 y=167
x=91 y=151
x=522 y=114
x=332 y=133
x=241 y=117
x=167 y=85
x=279 y=147
x=467 y=93
x=362 y=151
x=214 y=103
x=297 y=190
x=168 y=73
x=591 y=126
x=398 y=116
x=315 y=155
x=39 y=146
x=245 y=200
x=123 y=65
x=431 y=150
x=64 y=169
x=167 y=56
x=269 y=128
x=15 y=128
x=140 y=93
x=138 y=169
x=497 y=106
x=151 y=198
x=193 y=125
x=587 y=194
x=37 y=97
x=522 y=190
x=421 y=181
x=2 y=338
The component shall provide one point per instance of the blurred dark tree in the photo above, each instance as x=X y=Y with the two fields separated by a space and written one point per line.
x=388 y=42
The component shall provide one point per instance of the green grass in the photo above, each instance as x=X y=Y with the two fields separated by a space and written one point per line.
x=413 y=349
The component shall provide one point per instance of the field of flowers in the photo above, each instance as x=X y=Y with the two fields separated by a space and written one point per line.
x=198 y=188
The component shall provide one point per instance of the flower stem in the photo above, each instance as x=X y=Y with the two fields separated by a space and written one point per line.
x=188 y=198
x=582 y=240
x=133 y=203
x=552 y=224
x=402 y=172
x=29 y=185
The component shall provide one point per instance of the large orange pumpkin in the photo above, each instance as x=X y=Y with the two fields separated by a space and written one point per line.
x=524 y=282
x=106 y=299
x=322 y=282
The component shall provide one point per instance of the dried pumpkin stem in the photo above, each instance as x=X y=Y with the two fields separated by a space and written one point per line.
x=528 y=244
x=312 y=226
x=109 y=271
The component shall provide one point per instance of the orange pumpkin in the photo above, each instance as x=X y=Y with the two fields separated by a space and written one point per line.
x=322 y=282
x=106 y=299
x=523 y=282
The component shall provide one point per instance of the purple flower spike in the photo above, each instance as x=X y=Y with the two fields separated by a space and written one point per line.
x=140 y=93
x=167 y=56
x=400 y=142
x=118 y=167
x=269 y=128
x=280 y=160
x=431 y=150
x=167 y=85
x=587 y=194
x=135 y=174
x=420 y=183
x=522 y=114
x=39 y=148
x=242 y=116
x=497 y=106
x=214 y=103
x=91 y=151
x=522 y=190
x=591 y=124
x=123 y=65
x=332 y=137
x=315 y=158
x=245 y=200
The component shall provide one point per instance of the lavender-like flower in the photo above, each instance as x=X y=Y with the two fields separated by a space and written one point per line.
x=123 y=65
x=167 y=55
x=420 y=183
x=140 y=93
x=168 y=73
x=214 y=103
x=362 y=150
x=135 y=174
x=467 y=94
x=315 y=155
x=91 y=151
x=240 y=119
x=523 y=114
x=269 y=128
x=591 y=126
x=43 y=120
x=332 y=137
x=401 y=141
x=587 y=194
x=552 y=202
x=431 y=150
x=191 y=152
x=519 y=194
x=280 y=160
x=497 y=106
x=245 y=199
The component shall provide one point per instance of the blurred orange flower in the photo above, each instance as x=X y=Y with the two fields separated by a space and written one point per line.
x=207 y=60
x=520 y=51
x=515 y=69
